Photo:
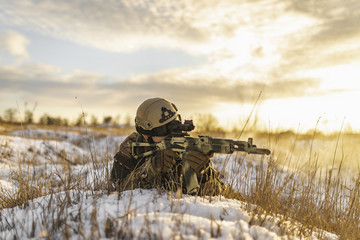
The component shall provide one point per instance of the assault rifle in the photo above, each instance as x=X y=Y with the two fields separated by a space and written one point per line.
x=180 y=141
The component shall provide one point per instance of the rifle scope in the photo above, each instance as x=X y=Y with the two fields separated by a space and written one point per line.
x=178 y=127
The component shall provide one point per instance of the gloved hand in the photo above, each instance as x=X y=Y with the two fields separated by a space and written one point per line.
x=197 y=160
x=164 y=160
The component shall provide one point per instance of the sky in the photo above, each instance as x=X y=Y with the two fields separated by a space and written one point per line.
x=213 y=56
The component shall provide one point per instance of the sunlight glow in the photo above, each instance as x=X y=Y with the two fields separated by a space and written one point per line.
x=331 y=110
x=337 y=78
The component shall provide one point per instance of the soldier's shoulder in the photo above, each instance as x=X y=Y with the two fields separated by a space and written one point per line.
x=133 y=137
x=129 y=139
x=125 y=146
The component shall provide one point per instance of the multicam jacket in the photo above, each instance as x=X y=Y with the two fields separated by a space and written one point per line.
x=130 y=173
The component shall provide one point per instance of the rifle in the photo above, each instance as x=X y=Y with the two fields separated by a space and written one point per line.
x=181 y=142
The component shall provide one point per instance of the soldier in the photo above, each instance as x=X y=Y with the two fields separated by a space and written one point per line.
x=161 y=169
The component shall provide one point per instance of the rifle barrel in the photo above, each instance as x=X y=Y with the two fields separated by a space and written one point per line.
x=262 y=151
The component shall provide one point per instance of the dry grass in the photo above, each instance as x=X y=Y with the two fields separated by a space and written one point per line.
x=315 y=204
x=311 y=194
x=318 y=191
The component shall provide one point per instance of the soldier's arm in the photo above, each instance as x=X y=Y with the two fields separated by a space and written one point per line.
x=123 y=164
x=128 y=172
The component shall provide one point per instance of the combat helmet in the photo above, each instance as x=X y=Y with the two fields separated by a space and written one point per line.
x=153 y=116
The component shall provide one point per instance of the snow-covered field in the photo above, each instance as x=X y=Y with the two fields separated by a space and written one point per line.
x=137 y=214
x=88 y=213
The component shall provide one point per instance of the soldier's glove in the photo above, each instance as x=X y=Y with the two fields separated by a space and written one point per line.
x=197 y=160
x=164 y=160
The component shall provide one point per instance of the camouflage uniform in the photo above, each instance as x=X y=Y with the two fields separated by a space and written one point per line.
x=130 y=173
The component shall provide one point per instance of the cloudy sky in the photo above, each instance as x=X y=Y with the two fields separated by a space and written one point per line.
x=203 y=55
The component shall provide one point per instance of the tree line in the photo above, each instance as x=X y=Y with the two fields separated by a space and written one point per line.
x=205 y=122
x=13 y=116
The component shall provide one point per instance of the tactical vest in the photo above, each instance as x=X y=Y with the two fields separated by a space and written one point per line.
x=132 y=163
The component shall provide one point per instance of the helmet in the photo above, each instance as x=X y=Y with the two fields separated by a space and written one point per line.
x=153 y=115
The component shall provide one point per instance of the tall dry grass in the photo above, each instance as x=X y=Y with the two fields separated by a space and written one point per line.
x=311 y=179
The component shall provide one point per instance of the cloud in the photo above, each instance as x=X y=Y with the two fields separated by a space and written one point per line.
x=200 y=26
x=258 y=37
x=14 y=43
x=195 y=92
x=199 y=93
x=28 y=72
x=115 y=26
x=333 y=40
x=249 y=45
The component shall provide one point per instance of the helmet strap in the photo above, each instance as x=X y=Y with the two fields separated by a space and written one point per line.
x=150 y=140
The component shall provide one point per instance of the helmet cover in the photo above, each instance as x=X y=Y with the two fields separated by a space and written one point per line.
x=155 y=112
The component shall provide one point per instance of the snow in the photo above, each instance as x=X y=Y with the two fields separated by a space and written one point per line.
x=141 y=214
x=137 y=213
